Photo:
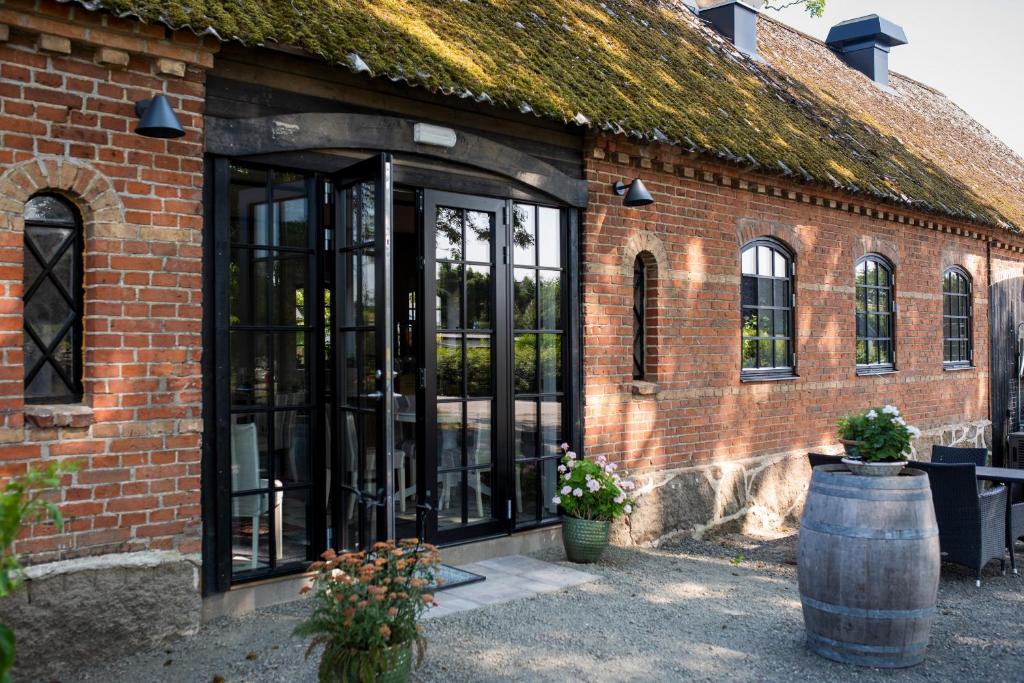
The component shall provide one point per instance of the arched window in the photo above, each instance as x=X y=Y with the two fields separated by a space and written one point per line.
x=53 y=301
x=639 y=318
x=767 y=308
x=876 y=315
x=956 y=318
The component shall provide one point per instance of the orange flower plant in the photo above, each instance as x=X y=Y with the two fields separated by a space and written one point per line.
x=366 y=603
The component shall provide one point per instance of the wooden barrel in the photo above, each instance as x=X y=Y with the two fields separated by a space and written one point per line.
x=869 y=566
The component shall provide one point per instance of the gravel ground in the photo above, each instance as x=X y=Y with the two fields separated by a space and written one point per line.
x=717 y=610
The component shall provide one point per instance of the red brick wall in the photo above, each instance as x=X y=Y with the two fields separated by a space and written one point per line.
x=68 y=82
x=702 y=412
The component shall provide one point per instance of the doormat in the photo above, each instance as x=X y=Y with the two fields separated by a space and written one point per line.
x=453 y=576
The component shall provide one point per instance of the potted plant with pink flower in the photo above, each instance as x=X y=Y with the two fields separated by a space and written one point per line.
x=592 y=495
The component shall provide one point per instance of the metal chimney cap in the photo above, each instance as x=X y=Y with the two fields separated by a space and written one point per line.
x=864 y=29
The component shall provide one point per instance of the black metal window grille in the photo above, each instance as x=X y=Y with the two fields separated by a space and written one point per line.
x=639 y=319
x=956 y=318
x=875 y=314
x=53 y=300
x=767 y=310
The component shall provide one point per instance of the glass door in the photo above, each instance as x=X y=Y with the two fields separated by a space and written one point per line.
x=464 y=427
x=363 y=463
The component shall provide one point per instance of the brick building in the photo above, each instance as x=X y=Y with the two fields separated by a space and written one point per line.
x=257 y=347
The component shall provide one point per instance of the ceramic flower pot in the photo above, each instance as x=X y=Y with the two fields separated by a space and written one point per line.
x=875 y=469
x=397 y=668
x=584 y=539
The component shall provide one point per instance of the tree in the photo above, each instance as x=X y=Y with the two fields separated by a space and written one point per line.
x=814 y=7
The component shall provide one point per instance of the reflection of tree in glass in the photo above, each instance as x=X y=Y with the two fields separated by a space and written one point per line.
x=524 y=303
x=478 y=296
x=449 y=233
x=522 y=232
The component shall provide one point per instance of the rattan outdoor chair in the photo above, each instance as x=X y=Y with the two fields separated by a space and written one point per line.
x=820 y=459
x=950 y=455
x=972 y=525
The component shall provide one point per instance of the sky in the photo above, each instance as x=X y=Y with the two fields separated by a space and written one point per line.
x=971 y=50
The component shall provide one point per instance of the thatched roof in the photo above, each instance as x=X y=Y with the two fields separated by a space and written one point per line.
x=650 y=70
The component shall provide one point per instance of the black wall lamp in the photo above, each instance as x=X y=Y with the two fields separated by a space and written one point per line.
x=157 y=119
x=636 y=193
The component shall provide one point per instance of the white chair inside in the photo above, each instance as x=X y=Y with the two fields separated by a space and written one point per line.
x=245 y=476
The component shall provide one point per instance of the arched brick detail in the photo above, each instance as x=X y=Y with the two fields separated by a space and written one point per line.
x=102 y=215
x=748 y=229
x=645 y=241
x=953 y=255
x=864 y=245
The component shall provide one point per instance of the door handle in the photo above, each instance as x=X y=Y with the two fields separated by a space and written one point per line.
x=375 y=394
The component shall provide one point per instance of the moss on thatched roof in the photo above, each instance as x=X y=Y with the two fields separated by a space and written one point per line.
x=652 y=70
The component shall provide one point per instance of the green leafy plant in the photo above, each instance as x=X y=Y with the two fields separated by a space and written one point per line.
x=365 y=603
x=879 y=434
x=816 y=8
x=592 y=489
x=23 y=502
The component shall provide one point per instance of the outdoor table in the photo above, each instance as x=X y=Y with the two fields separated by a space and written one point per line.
x=1007 y=476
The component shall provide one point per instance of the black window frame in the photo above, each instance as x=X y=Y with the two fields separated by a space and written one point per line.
x=75 y=299
x=639 y=318
x=748 y=374
x=964 y=344
x=862 y=292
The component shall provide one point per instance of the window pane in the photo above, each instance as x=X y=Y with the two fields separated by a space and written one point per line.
x=527 y=428
x=780 y=265
x=765 y=294
x=449 y=511
x=550 y=363
x=781 y=353
x=551 y=436
x=50 y=209
x=449 y=435
x=48 y=240
x=526 y=363
x=290 y=210
x=249 y=381
x=250 y=532
x=449 y=365
x=862 y=352
x=750 y=323
x=479 y=229
x=765 y=353
x=549 y=479
x=873 y=300
x=764 y=261
x=295 y=540
x=289 y=284
x=764 y=324
x=872 y=273
x=749 y=290
x=448 y=234
x=749 y=354
x=526 y=492
x=478 y=297
x=449 y=296
x=47 y=312
x=862 y=324
x=782 y=293
x=525 y=303
x=550 y=283
x=883 y=275
x=549 y=237
x=478 y=362
x=781 y=323
x=749 y=261
x=478 y=433
x=524 y=238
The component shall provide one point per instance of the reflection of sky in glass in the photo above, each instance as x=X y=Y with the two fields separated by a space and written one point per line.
x=549 y=238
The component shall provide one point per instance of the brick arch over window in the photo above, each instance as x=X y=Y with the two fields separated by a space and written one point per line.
x=864 y=245
x=102 y=214
x=750 y=229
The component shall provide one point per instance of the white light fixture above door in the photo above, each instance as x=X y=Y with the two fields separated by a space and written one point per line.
x=438 y=136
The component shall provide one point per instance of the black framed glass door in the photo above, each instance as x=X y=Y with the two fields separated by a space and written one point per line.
x=362 y=471
x=464 y=425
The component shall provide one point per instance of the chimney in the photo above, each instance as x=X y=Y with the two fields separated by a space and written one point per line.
x=864 y=44
x=735 y=20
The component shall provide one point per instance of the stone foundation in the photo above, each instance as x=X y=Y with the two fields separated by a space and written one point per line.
x=752 y=495
x=76 y=613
